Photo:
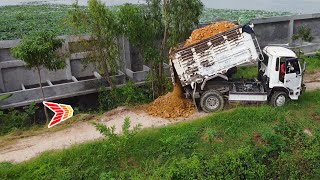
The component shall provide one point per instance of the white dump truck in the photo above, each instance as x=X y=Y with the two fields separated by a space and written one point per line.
x=204 y=70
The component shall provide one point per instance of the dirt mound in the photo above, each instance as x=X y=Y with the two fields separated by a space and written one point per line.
x=207 y=31
x=171 y=105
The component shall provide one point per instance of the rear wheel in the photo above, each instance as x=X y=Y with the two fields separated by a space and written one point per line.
x=279 y=99
x=211 y=101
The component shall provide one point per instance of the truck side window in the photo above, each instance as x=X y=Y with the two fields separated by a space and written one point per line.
x=292 y=67
x=277 y=64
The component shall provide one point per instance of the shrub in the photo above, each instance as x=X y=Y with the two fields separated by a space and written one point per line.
x=17 y=120
x=127 y=95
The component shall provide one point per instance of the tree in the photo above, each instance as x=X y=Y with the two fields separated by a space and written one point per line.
x=161 y=20
x=303 y=34
x=143 y=27
x=100 y=22
x=178 y=17
x=40 y=49
x=183 y=16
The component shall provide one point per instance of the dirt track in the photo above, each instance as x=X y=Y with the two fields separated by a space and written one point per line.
x=29 y=147
x=26 y=148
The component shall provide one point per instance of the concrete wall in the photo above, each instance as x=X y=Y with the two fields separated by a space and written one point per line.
x=279 y=30
x=78 y=78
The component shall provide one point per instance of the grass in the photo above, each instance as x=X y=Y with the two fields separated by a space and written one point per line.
x=247 y=142
x=246 y=72
x=313 y=64
x=16 y=21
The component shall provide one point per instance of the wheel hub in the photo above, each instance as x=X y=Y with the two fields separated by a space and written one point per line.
x=281 y=100
x=212 y=102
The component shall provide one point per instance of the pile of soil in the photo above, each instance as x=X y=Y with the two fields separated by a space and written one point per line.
x=171 y=105
x=208 y=31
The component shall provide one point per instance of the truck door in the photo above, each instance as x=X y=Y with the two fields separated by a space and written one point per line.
x=293 y=77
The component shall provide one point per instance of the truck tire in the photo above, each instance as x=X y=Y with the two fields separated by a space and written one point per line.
x=279 y=99
x=211 y=101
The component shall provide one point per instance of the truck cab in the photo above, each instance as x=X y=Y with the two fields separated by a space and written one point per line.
x=281 y=71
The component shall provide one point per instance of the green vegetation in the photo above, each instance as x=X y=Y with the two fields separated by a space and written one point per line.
x=313 y=63
x=4 y=97
x=127 y=95
x=158 y=20
x=40 y=49
x=258 y=142
x=246 y=72
x=17 y=120
x=99 y=22
x=303 y=34
x=16 y=21
x=242 y=16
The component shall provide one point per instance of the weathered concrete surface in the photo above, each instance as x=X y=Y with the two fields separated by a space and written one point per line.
x=279 y=30
x=138 y=76
x=71 y=89
x=77 y=78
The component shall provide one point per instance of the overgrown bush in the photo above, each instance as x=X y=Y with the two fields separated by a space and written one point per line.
x=127 y=95
x=17 y=120
x=118 y=142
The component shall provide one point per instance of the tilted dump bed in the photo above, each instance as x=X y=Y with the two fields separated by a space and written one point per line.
x=215 y=55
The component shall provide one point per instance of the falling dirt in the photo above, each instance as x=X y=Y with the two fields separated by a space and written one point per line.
x=172 y=105
x=208 y=31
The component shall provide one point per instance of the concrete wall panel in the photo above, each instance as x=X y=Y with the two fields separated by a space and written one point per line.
x=79 y=70
x=5 y=55
x=272 y=33
x=313 y=24
x=13 y=77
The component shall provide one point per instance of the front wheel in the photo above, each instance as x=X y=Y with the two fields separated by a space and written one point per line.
x=279 y=99
x=211 y=101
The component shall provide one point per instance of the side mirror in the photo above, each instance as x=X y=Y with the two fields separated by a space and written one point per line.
x=304 y=66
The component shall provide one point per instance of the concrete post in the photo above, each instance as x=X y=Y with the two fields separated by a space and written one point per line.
x=290 y=33
x=67 y=60
x=2 y=87
x=126 y=53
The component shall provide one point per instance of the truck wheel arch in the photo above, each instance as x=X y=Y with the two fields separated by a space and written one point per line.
x=279 y=89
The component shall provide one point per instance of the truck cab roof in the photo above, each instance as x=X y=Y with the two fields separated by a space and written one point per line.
x=279 y=51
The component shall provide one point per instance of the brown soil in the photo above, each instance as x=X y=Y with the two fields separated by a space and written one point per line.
x=171 y=105
x=208 y=31
x=257 y=138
